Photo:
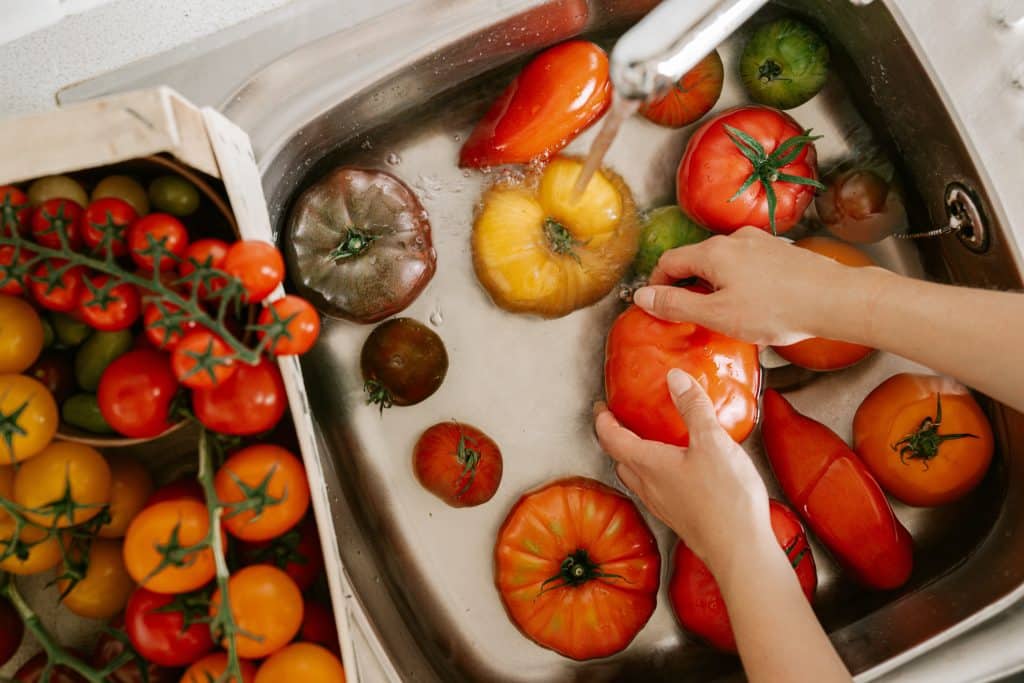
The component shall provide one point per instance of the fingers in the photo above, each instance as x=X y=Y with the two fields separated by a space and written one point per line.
x=628 y=477
x=693 y=404
x=672 y=303
x=680 y=263
x=616 y=440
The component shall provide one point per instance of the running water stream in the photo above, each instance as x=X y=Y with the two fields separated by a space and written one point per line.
x=620 y=110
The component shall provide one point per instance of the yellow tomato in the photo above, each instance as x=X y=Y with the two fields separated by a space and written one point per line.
x=106 y=586
x=67 y=484
x=40 y=554
x=125 y=188
x=28 y=418
x=57 y=187
x=6 y=492
x=21 y=334
x=130 y=487
x=537 y=249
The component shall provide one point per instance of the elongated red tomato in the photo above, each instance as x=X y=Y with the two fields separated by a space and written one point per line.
x=697 y=599
x=836 y=495
x=642 y=349
x=577 y=568
x=558 y=94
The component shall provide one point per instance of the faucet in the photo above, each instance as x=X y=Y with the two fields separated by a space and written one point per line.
x=672 y=38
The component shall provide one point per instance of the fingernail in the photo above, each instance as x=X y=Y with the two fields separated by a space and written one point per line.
x=599 y=407
x=678 y=381
x=644 y=298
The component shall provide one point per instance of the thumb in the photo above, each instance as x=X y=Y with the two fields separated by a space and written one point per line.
x=693 y=404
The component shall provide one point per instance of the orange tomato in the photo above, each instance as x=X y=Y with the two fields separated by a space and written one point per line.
x=266 y=605
x=42 y=554
x=212 y=667
x=304 y=662
x=130 y=487
x=106 y=586
x=924 y=438
x=65 y=484
x=283 y=479
x=828 y=354
x=691 y=97
x=155 y=526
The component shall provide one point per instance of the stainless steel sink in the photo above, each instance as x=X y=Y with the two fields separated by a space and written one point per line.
x=401 y=94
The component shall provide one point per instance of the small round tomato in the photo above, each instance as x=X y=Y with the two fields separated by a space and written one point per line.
x=301 y=662
x=202 y=359
x=64 y=485
x=34 y=671
x=213 y=667
x=105 y=224
x=297 y=552
x=318 y=626
x=403 y=362
x=457 y=463
x=924 y=438
x=110 y=648
x=109 y=305
x=123 y=187
x=42 y=552
x=166 y=324
x=14 y=269
x=278 y=492
x=209 y=253
x=28 y=418
x=784 y=64
x=263 y=630
x=690 y=98
x=174 y=194
x=12 y=629
x=250 y=401
x=56 y=187
x=130 y=488
x=862 y=206
x=14 y=211
x=56 y=285
x=57 y=217
x=168 y=630
x=104 y=590
x=21 y=334
x=257 y=265
x=182 y=488
x=54 y=370
x=149 y=232
x=187 y=522
x=293 y=325
x=135 y=393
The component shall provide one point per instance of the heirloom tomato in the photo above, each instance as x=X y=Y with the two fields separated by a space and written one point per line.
x=784 y=64
x=252 y=591
x=662 y=229
x=135 y=393
x=105 y=225
x=403 y=362
x=154 y=532
x=104 y=589
x=301 y=662
x=457 y=463
x=251 y=400
x=271 y=479
x=21 y=334
x=861 y=206
x=28 y=418
x=169 y=630
x=691 y=97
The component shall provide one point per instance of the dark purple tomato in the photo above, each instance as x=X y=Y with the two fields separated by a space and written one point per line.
x=11 y=631
x=54 y=370
x=403 y=362
x=32 y=671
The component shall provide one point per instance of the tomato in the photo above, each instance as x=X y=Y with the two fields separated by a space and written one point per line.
x=298 y=322
x=56 y=187
x=14 y=269
x=784 y=64
x=559 y=93
x=924 y=438
x=104 y=590
x=157 y=525
x=776 y=169
x=457 y=463
x=28 y=418
x=301 y=662
x=861 y=206
x=251 y=590
x=12 y=628
x=209 y=253
x=174 y=194
x=202 y=359
x=130 y=488
x=148 y=232
x=57 y=217
x=166 y=324
x=54 y=371
x=696 y=598
x=123 y=187
x=108 y=304
x=403 y=362
x=65 y=484
x=168 y=630
x=297 y=552
x=257 y=265
x=184 y=487
x=276 y=482
x=105 y=223
x=691 y=97
x=836 y=495
x=14 y=211
x=110 y=648
x=96 y=354
x=828 y=354
x=33 y=671
x=42 y=553
x=56 y=285
x=21 y=335
x=642 y=349
x=662 y=229
x=318 y=626
x=135 y=393
x=213 y=666
x=250 y=401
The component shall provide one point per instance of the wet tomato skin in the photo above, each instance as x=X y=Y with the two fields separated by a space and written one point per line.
x=160 y=635
x=458 y=463
x=405 y=359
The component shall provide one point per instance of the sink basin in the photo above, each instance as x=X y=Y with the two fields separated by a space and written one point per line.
x=401 y=95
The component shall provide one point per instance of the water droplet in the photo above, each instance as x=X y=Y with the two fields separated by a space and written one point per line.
x=457 y=137
x=396 y=361
x=366 y=144
x=393 y=159
x=437 y=318
x=465 y=173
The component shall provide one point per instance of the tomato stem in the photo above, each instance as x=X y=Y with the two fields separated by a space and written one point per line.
x=352 y=244
x=377 y=393
x=469 y=459
x=560 y=239
x=924 y=442
x=576 y=569
x=770 y=71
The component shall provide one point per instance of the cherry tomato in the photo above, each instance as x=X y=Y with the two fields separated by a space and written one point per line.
x=130 y=488
x=457 y=463
x=924 y=438
x=64 y=485
x=251 y=590
x=166 y=324
x=135 y=393
x=105 y=224
x=104 y=590
x=28 y=418
x=169 y=630
x=14 y=211
x=690 y=98
x=209 y=253
x=109 y=307
x=257 y=265
x=149 y=231
x=33 y=671
x=557 y=95
x=53 y=369
x=14 y=269
x=212 y=668
x=12 y=628
x=54 y=217
x=318 y=626
x=298 y=323
x=110 y=648
x=181 y=488
x=277 y=478
x=56 y=286
x=42 y=553
x=250 y=401
x=156 y=525
x=57 y=187
x=123 y=187
x=301 y=662
x=297 y=552
x=202 y=359
x=21 y=334
x=403 y=362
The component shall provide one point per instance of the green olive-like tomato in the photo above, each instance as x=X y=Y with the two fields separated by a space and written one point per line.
x=174 y=195
x=784 y=64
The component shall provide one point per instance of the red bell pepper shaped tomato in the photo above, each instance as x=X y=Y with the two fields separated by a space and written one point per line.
x=559 y=93
x=836 y=495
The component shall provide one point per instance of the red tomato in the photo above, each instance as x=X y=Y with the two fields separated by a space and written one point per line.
x=297 y=552
x=148 y=232
x=135 y=393
x=457 y=463
x=715 y=167
x=836 y=496
x=105 y=223
x=209 y=253
x=12 y=628
x=56 y=216
x=642 y=349
x=697 y=599
x=14 y=211
x=106 y=307
x=179 y=489
x=110 y=648
x=250 y=401
x=558 y=94
x=166 y=324
x=691 y=98
x=158 y=629
x=257 y=265
x=33 y=670
x=56 y=287
x=318 y=626
x=202 y=359
x=294 y=322
x=13 y=269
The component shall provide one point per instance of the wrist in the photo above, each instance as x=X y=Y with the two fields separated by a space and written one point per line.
x=847 y=308
x=735 y=564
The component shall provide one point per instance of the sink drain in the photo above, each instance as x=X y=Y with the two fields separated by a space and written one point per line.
x=965 y=220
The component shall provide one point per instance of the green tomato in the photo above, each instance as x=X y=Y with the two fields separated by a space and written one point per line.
x=174 y=195
x=784 y=64
x=48 y=335
x=83 y=411
x=57 y=187
x=99 y=351
x=664 y=228
x=70 y=332
x=125 y=188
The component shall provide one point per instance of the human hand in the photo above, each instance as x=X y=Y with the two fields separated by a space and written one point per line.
x=709 y=493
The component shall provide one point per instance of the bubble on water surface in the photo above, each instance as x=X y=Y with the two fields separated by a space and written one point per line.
x=436 y=318
x=393 y=159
